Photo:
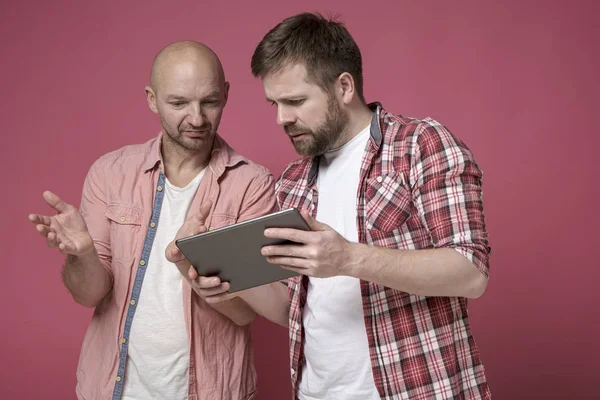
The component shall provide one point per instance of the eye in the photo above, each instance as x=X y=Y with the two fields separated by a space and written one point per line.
x=296 y=103
x=177 y=104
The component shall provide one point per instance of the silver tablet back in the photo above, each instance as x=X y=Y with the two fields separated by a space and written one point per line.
x=233 y=252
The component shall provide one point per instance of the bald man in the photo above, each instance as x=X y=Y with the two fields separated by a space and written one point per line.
x=153 y=335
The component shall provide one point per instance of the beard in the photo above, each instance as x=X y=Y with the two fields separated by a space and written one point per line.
x=324 y=137
x=204 y=139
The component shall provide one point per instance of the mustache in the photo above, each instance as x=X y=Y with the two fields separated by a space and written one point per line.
x=205 y=127
x=295 y=129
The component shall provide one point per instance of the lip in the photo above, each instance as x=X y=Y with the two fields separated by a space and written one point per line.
x=195 y=133
x=298 y=136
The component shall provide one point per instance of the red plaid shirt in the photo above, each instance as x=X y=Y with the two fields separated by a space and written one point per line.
x=420 y=189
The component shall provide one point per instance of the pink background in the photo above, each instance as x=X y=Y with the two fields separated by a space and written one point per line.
x=517 y=80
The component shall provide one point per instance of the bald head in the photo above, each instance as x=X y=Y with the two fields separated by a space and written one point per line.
x=188 y=91
x=185 y=55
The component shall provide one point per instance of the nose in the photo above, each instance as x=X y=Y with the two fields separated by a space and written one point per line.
x=196 y=116
x=285 y=116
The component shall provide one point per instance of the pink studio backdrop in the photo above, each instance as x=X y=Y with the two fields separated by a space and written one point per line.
x=516 y=80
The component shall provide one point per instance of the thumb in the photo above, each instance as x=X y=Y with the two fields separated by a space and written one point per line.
x=313 y=224
x=204 y=210
x=172 y=252
x=197 y=219
x=54 y=201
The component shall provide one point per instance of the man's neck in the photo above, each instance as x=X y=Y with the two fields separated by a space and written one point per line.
x=180 y=165
x=360 y=118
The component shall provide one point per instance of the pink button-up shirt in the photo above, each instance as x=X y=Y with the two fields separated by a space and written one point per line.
x=119 y=204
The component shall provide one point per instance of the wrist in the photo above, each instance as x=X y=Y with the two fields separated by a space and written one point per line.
x=86 y=254
x=356 y=255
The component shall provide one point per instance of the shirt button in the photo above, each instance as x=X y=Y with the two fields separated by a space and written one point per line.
x=312 y=207
x=122 y=219
x=123 y=340
x=132 y=302
x=293 y=371
x=159 y=188
x=152 y=224
x=118 y=379
x=379 y=179
x=390 y=123
x=142 y=263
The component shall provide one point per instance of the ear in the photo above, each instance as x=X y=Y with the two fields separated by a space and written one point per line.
x=346 y=87
x=226 y=94
x=151 y=98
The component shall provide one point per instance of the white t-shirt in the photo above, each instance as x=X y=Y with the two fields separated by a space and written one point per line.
x=336 y=348
x=158 y=356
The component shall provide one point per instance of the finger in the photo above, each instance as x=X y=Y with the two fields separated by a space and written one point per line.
x=294 y=235
x=62 y=238
x=52 y=242
x=40 y=219
x=207 y=282
x=66 y=246
x=55 y=202
x=183 y=267
x=192 y=273
x=43 y=230
x=204 y=210
x=300 y=263
x=287 y=250
x=193 y=225
x=222 y=288
x=62 y=247
x=313 y=224
x=173 y=254
x=196 y=221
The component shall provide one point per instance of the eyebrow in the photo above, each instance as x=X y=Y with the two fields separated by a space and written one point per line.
x=215 y=94
x=286 y=99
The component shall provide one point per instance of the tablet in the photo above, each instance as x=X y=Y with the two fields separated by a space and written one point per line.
x=233 y=252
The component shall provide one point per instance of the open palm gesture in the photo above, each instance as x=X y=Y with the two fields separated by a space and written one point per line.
x=66 y=230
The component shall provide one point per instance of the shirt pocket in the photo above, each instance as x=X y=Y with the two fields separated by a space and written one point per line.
x=388 y=205
x=220 y=220
x=125 y=229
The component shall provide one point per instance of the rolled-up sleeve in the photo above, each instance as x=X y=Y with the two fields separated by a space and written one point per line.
x=259 y=199
x=93 y=209
x=447 y=191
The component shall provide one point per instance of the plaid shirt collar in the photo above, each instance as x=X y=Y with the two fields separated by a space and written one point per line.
x=376 y=138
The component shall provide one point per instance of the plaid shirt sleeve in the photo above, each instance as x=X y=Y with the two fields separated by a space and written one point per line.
x=447 y=190
x=286 y=282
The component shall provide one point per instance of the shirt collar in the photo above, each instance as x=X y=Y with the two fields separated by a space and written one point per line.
x=376 y=136
x=222 y=156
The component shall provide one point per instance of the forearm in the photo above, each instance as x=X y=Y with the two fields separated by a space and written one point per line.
x=236 y=310
x=271 y=301
x=432 y=272
x=86 y=278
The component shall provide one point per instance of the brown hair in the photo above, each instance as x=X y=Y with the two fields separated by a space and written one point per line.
x=324 y=46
